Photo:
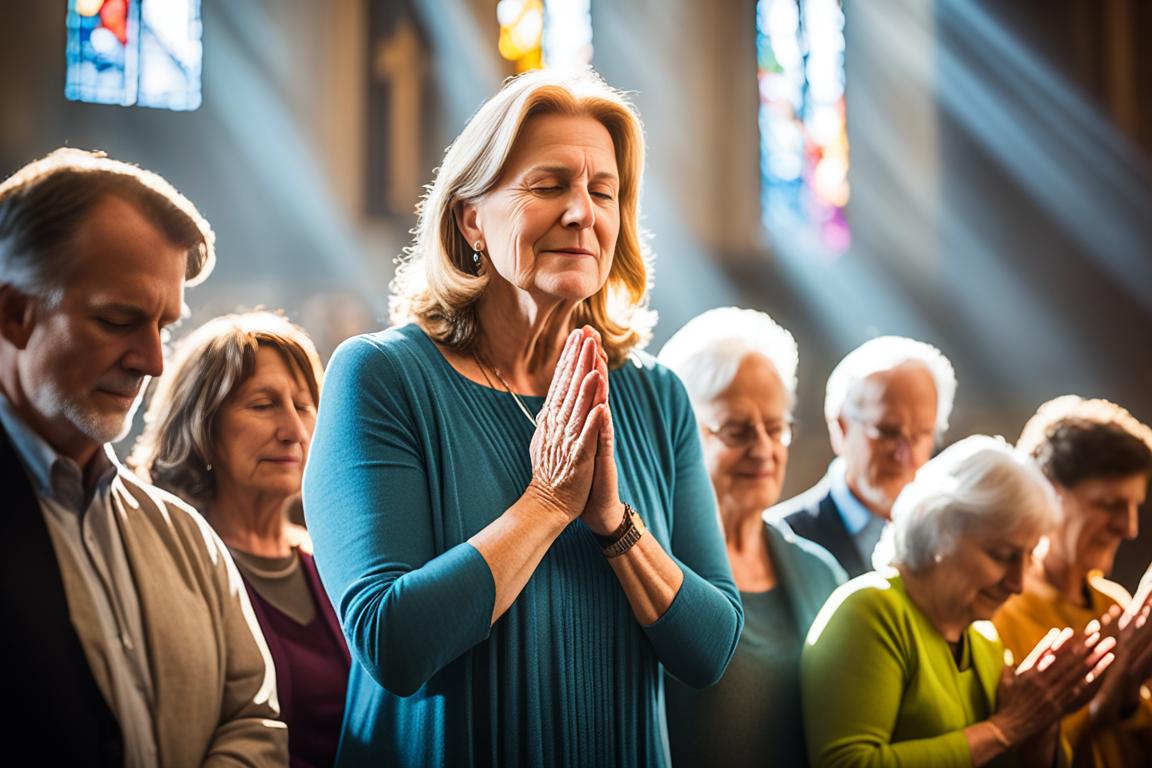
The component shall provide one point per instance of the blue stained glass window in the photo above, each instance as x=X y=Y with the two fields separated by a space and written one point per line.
x=134 y=52
x=803 y=136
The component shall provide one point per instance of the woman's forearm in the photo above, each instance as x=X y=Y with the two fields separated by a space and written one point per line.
x=650 y=578
x=514 y=544
x=987 y=741
x=692 y=623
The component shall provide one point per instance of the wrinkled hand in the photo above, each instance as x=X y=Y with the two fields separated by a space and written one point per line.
x=564 y=446
x=604 y=511
x=1119 y=694
x=1059 y=674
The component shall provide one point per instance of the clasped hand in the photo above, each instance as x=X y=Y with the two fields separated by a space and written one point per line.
x=573 y=464
x=1119 y=694
x=1057 y=678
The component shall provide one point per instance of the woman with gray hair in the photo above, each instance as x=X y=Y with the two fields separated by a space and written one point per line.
x=739 y=368
x=902 y=667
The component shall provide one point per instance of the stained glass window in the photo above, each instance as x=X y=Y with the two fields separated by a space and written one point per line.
x=134 y=52
x=521 y=32
x=803 y=134
x=545 y=33
x=567 y=33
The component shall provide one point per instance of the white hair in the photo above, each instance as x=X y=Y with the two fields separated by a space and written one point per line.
x=706 y=353
x=978 y=484
x=883 y=354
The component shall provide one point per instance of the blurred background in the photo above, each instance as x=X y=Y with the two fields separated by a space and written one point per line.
x=972 y=173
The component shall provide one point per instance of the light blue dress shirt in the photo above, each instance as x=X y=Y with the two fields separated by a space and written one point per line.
x=864 y=527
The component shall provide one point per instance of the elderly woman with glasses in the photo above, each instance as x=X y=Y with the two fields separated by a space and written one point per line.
x=508 y=501
x=1099 y=459
x=901 y=667
x=739 y=368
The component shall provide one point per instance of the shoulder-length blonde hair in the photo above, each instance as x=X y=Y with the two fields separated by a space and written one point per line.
x=207 y=366
x=436 y=285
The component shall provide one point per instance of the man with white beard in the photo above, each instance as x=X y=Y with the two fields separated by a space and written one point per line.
x=886 y=404
x=128 y=636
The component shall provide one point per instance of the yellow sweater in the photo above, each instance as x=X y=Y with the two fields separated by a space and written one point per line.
x=1023 y=621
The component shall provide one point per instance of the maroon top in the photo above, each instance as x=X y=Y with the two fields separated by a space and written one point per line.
x=311 y=672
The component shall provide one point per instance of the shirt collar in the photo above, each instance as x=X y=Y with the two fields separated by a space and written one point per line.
x=852 y=511
x=53 y=476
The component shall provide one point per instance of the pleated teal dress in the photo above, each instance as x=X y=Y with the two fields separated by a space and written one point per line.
x=409 y=459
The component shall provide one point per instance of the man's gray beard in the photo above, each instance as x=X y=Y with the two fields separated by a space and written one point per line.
x=99 y=427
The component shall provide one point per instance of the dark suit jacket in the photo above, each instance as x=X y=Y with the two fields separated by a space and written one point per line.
x=815 y=516
x=57 y=715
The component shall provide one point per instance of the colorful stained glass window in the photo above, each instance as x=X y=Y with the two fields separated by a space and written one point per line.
x=803 y=134
x=545 y=33
x=134 y=52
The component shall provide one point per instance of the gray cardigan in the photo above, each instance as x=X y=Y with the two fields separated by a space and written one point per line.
x=215 y=685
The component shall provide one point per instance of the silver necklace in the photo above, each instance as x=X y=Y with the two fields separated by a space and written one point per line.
x=484 y=364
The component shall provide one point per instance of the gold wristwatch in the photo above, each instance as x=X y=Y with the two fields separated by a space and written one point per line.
x=626 y=535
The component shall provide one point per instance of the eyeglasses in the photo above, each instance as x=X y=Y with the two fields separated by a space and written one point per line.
x=741 y=434
x=891 y=435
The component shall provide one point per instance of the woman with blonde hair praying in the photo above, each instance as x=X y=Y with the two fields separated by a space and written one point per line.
x=508 y=500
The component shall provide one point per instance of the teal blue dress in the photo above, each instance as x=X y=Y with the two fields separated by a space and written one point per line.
x=408 y=460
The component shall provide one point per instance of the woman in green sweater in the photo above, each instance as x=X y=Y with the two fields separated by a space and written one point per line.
x=902 y=668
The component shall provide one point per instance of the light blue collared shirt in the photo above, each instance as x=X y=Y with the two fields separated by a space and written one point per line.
x=864 y=527
x=87 y=541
